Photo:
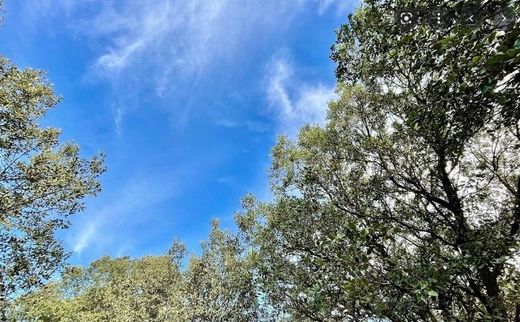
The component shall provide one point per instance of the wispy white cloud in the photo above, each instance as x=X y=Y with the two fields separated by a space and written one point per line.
x=84 y=237
x=100 y=224
x=295 y=102
x=118 y=118
x=250 y=125
x=340 y=6
x=166 y=46
x=176 y=38
x=226 y=123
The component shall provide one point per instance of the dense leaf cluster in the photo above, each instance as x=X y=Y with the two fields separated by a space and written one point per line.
x=41 y=182
x=216 y=286
x=406 y=205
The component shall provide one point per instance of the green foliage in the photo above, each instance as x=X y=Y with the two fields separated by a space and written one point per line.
x=406 y=205
x=219 y=282
x=108 y=290
x=455 y=73
x=216 y=286
x=41 y=182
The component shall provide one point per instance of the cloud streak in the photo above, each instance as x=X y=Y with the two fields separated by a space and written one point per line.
x=295 y=103
x=164 y=47
x=128 y=206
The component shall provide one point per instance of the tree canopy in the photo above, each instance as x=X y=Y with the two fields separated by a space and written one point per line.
x=406 y=205
x=215 y=286
x=42 y=182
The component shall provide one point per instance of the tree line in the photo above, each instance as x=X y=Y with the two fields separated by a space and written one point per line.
x=404 y=206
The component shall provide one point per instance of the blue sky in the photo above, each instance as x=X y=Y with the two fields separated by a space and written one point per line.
x=185 y=97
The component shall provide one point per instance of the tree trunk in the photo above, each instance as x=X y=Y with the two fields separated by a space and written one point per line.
x=495 y=306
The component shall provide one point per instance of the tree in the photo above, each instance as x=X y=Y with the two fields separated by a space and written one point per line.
x=219 y=283
x=41 y=183
x=215 y=286
x=121 y=289
x=406 y=205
